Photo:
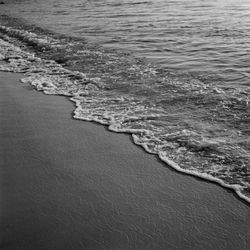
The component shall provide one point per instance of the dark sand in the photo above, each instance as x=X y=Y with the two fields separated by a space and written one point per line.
x=68 y=184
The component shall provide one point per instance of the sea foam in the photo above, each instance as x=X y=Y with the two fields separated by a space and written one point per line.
x=196 y=128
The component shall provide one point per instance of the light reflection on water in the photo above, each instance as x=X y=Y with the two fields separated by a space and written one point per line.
x=205 y=37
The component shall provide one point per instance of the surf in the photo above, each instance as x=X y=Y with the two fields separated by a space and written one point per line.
x=195 y=127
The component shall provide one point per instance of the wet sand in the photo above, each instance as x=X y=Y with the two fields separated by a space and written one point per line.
x=68 y=184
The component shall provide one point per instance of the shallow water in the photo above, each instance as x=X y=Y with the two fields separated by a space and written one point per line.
x=198 y=123
x=209 y=38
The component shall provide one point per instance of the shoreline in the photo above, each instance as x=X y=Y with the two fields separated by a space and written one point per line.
x=73 y=184
x=235 y=189
x=170 y=164
x=49 y=88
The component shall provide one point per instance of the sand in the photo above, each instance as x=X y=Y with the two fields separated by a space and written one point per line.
x=69 y=184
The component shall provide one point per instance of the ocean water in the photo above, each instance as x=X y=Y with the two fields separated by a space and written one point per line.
x=174 y=74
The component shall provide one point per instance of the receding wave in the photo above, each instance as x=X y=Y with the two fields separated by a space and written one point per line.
x=195 y=127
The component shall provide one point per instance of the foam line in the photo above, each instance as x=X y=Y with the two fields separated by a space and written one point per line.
x=53 y=79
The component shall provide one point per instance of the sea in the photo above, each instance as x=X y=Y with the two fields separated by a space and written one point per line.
x=175 y=74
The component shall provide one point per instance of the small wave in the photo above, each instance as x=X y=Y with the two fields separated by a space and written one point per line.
x=130 y=4
x=196 y=128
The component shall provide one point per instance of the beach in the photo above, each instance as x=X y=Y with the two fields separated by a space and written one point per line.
x=69 y=184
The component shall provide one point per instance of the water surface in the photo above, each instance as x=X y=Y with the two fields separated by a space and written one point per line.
x=210 y=38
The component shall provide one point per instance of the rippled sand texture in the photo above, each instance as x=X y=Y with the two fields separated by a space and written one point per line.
x=196 y=127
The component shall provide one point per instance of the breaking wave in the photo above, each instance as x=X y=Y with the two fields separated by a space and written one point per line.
x=195 y=127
